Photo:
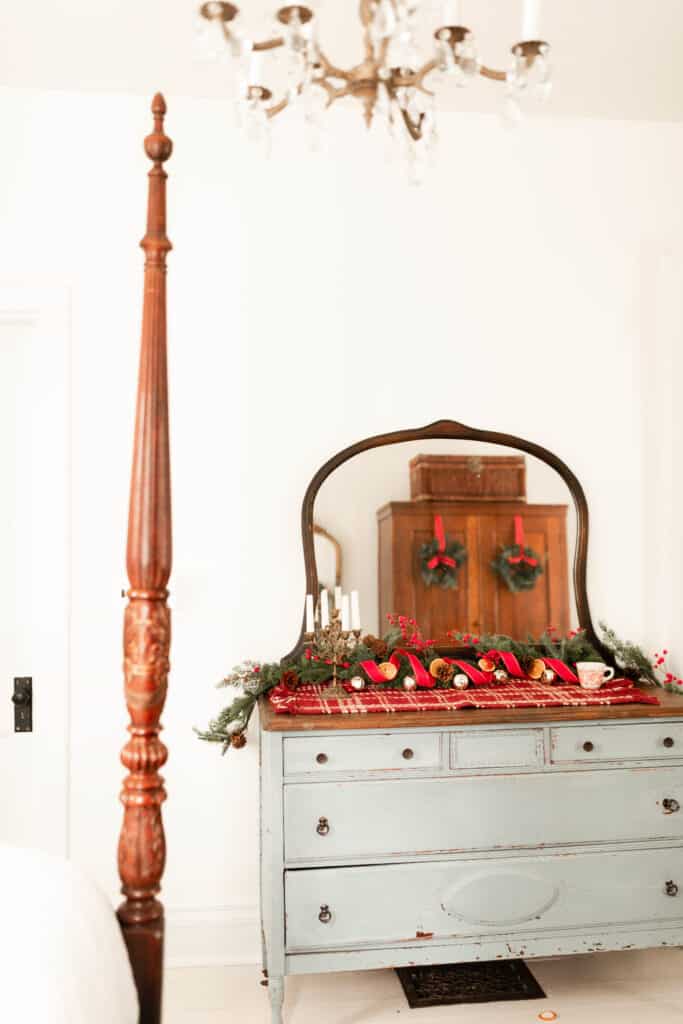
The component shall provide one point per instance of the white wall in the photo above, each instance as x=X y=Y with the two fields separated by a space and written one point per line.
x=313 y=302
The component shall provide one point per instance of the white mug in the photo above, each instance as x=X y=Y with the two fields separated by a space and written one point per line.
x=592 y=674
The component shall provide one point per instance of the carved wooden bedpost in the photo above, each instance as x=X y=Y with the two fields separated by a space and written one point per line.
x=146 y=638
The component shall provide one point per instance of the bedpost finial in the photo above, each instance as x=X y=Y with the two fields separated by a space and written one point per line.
x=158 y=146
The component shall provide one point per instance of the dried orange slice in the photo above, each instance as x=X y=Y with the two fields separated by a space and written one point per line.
x=388 y=670
x=536 y=669
x=436 y=666
x=486 y=665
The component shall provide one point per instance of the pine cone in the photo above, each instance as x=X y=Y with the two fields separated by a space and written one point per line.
x=238 y=740
x=441 y=670
x=290 y=678
x=377 y=646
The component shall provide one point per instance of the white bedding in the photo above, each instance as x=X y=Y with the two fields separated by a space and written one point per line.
x=62 y=956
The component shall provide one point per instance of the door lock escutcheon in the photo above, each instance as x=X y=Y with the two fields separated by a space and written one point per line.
x=22 y=698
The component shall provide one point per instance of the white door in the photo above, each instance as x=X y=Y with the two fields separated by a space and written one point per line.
x=34 y=562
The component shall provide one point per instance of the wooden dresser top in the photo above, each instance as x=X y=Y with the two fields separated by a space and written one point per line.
x=671 y=705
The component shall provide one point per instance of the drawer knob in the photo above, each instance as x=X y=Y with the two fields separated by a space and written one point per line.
x=408 y=754
x=670 y=805
x=671 y=889
x=323 y=827
x=668 y=741
x=588 y=746
x=325 y=915
x=321 y=758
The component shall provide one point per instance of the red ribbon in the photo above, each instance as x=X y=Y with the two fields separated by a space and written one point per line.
x=512 y=665
x=519 y=541
x=422 y=676
x=440 y=558
x=475 y=675
x=561 y=670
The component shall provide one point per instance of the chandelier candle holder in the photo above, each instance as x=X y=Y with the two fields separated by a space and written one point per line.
x=393 y=81
x=335 y=635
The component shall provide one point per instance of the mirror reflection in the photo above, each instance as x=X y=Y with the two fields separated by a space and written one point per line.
x=460 y=535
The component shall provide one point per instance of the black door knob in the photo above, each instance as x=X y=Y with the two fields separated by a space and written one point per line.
x=668 y=741
x=588 y=746
x=21 y=698
x=671 y=889
x=323 y=827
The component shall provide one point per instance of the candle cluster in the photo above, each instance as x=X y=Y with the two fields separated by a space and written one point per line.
x=347 y=606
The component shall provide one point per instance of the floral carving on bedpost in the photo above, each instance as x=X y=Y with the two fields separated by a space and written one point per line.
x=147 y=630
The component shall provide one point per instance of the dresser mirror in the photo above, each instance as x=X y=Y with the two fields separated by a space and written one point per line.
x=466 y=531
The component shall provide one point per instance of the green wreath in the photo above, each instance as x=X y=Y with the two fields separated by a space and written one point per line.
x=519 y=567
x=439 y=565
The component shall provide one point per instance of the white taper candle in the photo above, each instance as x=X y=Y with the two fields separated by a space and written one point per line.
x=337 y=598
x=451 y=12
x=355 y=610
x=310 y=622
x=324 y=609
x=530 y=18
x=345 y=617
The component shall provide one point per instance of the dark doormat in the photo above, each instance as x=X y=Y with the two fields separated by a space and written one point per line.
x=487 y=982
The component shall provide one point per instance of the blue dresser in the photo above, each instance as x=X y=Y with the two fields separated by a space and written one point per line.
x=389 y=840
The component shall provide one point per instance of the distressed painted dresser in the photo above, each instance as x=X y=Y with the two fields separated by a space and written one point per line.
x=399 y=839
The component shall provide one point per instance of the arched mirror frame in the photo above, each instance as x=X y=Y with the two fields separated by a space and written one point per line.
x=453 y=430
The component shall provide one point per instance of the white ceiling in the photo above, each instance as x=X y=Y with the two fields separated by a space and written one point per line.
x=611 y=58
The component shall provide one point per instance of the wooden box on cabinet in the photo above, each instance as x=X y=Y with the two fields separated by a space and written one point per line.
x=468 y=478
x=481 y=601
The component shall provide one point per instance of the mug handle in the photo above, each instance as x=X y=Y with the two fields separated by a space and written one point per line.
x=609 y=674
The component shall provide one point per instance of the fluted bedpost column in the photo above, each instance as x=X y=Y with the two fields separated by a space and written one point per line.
x=147 y=629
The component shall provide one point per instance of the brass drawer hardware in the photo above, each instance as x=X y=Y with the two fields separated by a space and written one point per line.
x=588 y=746
x=671 y=889
x=668 y=741
x=408 y=754
x=323 y=827
x=670 y=805
x=322 y=759
x=325 y=915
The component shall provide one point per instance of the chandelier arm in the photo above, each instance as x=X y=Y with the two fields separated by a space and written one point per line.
x=331 y=71
x=496 y=76
x=269 y=44
x=266 y=44
x=332 y=92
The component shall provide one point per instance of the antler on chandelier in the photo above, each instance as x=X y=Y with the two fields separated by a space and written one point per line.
x=386 y=76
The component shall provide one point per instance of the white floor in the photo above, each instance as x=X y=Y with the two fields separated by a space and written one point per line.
x=628 y=988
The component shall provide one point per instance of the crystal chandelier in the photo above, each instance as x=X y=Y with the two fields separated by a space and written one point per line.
x=394 y=82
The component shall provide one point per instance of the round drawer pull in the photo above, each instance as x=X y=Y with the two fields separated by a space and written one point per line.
x=668 y=742
x=588 y=746
x=408 y=754
x=670 y=805
x=322 y=758
x=325 y=915
x=671 y=889
x=323 y=827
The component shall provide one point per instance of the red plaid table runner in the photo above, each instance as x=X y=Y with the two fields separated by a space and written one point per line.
x=519 y=693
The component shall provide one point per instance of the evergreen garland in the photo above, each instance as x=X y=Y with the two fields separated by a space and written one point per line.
x=253 y=680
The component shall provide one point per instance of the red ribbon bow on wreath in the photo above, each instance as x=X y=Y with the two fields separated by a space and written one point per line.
x=519 y=541
x=440 y=558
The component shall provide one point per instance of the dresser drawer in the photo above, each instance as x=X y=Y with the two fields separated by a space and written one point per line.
x=338 y=908
x=521 y=748
x=390 y=752
x=616 y=742
x=333 y=821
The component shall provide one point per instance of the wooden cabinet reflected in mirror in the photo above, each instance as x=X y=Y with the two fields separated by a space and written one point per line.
x=509 y=515
x=475 y=507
